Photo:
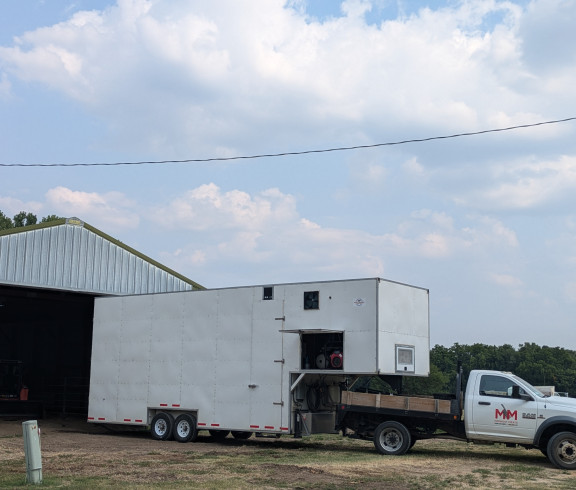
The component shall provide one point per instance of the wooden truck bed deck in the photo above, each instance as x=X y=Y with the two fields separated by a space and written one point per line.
x=410 y=403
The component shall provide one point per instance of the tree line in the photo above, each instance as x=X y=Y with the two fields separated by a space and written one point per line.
x=539 y=365
x=23 y=219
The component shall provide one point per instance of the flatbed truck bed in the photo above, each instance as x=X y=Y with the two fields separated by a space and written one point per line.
x=361 y=414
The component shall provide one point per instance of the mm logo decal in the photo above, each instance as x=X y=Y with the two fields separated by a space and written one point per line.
x=505 y=416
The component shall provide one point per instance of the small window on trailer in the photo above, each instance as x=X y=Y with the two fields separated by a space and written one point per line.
x=405 y=359
x=268 y=293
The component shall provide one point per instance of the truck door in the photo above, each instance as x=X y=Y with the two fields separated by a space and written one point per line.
x=266 y=374
x=496 y=411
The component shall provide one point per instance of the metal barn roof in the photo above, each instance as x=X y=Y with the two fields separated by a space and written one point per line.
x=72 y=255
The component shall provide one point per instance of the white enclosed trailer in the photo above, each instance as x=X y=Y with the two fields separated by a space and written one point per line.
x=268 y=359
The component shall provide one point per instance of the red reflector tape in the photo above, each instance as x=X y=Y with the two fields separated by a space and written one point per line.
x=90 y=418
x=214 y=425
x=127 y=420
x=283 y=428
x=202 y=423
x=101 y=418
x=138 y=420
x=163 y=404
x=175 y=404
x=254 y=426
x=268 y=426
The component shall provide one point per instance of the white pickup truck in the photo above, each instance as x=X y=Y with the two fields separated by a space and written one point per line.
x=498 y=407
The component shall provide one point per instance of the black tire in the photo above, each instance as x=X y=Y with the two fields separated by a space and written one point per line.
x=161 y=426
x=219 y=435
x=238 y=434
x=392 y=438
x=185 y=429
x=562 y=450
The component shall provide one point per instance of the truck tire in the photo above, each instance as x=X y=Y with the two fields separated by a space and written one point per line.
x=185 y=429
x=392 y=438
x=238 y=434
x=161 y=426
x=562 y=450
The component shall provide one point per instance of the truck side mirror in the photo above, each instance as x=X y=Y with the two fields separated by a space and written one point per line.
x=522 y=396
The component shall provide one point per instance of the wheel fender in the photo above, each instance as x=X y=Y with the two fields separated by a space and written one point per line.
x=560 y=421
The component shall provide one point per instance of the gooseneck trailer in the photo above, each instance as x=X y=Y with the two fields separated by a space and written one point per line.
x=268 y=359
x=290 y=359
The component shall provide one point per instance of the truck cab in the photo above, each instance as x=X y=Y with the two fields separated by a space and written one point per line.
x=501 y=407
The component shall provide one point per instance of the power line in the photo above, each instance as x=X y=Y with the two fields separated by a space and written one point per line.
x=288 y=153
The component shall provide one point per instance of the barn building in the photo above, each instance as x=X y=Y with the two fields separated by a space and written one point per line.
x=50 y=274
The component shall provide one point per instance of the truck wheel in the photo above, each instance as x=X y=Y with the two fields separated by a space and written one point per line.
x=238 y=434
x=392 y=438
x=161 y=426
x=562 y=450
x=185 y=428
x=219 y=435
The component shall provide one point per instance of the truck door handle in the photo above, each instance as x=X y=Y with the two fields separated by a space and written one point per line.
x=483 y=403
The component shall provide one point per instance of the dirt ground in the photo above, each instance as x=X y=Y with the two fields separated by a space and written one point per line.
x=73 y=449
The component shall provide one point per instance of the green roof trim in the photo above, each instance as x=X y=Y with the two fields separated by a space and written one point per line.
x=37 y=226
x=77 y=222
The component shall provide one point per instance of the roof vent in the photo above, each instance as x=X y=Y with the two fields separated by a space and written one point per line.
x=74 y=221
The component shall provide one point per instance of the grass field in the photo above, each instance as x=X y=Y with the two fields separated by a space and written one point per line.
x=78 y=456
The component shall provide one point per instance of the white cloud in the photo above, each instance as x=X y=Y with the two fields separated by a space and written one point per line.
x=526 y=185
x=171 y=73
x=208 y=208
x=110 y=210
x=506 y=280
x=11 y=206
x=266 y=228
x=414 y=168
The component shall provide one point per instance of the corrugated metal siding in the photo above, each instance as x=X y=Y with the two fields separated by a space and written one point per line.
x=73 y=257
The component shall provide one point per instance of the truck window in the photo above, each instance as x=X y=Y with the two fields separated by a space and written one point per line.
x=491 y=385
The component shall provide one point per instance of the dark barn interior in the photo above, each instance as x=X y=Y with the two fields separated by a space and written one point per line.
x=50 y=332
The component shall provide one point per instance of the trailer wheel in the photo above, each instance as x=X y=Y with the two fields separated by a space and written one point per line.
x=219 y=435
x=392 y=438
x=562 y=450
x=185 y=428
x=161 y=426
x=238 y=434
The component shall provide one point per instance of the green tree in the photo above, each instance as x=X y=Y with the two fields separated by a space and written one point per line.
x=539 y=365
x=50 y=217
x=437 y=382
x=5 y=222
x=25 y=219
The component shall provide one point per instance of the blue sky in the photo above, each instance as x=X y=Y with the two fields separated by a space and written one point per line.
x=487 y=222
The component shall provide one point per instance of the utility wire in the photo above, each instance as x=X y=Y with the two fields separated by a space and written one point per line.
x=288 y=153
